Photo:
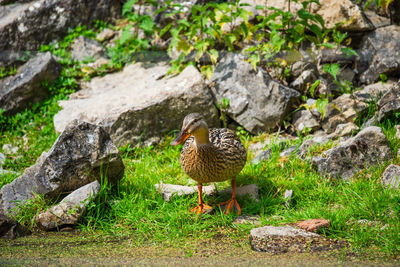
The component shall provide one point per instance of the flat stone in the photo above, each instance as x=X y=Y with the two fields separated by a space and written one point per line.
x=69 y=210
x=313 y=225
x=82 y=154
x=369 y=147
x=247 y=219
x=391 y=176
x=139 y=103
x=282 y=239
x=241 y=191
x=169 y=190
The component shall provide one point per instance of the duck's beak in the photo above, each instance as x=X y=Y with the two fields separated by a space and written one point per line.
x=182 y=136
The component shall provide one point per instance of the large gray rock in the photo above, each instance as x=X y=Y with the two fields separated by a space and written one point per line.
x=380 y=53
x=389 y=103
x=69 y=210
x=342 y=110
x=11 y=229
x=367 y=148
x=256 y=102
x=25 y=88
x=138 y=104
x=84 y=48
x=391 y=176
x=81 y=154
x=27 y=26
x=282 y=239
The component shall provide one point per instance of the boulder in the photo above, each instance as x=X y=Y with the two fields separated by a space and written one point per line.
x=305 y=80
x=82 y=154
x=84 y=48
x=139 y=103
x=105 y=35
x=282 y=239
x=167 y=191
x=29 y=25
x=10 y=229
x=256 y=102
x=391 y=176
x=379 y=54
x=288 y=197
x=342 y=110
x=369 y=147
x=20 y=91
x=69 y=210
x=389 y=103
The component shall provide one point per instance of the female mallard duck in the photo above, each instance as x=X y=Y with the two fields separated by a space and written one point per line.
x=213 y=155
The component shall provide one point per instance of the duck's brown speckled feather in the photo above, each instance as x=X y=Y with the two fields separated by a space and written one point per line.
x=218 y=161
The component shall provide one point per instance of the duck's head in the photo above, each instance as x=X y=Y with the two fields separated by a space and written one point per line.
x=193 y=124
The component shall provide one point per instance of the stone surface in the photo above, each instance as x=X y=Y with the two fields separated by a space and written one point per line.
x=333 y=12
x=9 y=149
x=10 y=229
x=397 y=127
x=282 y=239
x=25 y=88
x=367 y=148
x=305 y=80
x=288 y=151
x=105 y=35
x=241 y=191
x=287 y=196
x=256 y=102
x=169 y=190
x=263 y=156
x=2 y=159
x=389 y=103
x=27 y=26
x=247 y=219
x=379 y=53
x=138 y=104
x=314 y=225
x=69 y=210
x=373 y=92
x=342 y=110
x=84 y=48
x=82 y=154
x=391 y=176
x=304 y=119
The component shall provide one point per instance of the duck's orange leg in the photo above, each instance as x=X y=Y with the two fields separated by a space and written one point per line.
x=232 y=201
x=201 y=208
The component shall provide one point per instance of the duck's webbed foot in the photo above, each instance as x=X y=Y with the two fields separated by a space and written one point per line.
x=229 y=204
x=201 y=208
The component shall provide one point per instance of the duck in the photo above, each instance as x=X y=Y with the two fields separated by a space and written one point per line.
x=210 y=155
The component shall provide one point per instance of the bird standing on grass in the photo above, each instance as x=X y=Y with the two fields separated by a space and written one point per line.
x=213 y=155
